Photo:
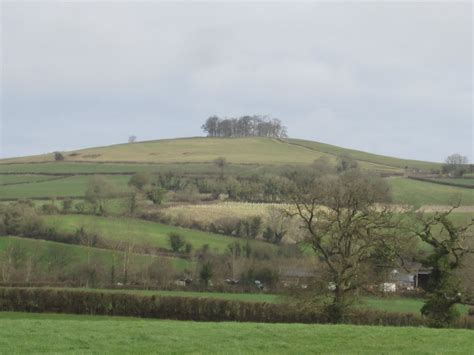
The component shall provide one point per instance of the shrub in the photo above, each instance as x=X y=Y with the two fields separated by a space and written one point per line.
x=66 y=205
x=177 y=241
x=80 y=207
x=140 y=180
x=58 y=156
x=206 y=272
x=226 y=225
x=49 y=208
x=188 y=248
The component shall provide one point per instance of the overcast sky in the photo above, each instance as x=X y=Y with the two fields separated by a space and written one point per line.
x=390 y=78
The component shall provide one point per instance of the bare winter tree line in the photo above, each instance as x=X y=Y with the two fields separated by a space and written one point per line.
x=245 y=126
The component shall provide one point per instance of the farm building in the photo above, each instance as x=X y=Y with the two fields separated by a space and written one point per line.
x=296 y=277
x=413 y=277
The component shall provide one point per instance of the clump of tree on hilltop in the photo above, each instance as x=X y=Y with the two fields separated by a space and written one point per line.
x=245 y=126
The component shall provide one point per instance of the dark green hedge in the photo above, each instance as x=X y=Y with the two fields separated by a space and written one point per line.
x=185 y=308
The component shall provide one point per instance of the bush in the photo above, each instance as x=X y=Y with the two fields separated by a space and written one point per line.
x=80 y=207
x=66 y=205
x=140 y=180
x=177 y=242
x=49 y=208
x=20 y=220
x=58 y=156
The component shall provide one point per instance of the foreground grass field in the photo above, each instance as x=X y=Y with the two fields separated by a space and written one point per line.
x=28 y=333
x=143 y=232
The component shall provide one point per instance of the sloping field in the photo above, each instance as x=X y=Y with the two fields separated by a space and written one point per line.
x=59 y=256
x=461 y=181
x=143 y=232
x=72 y=186
x=364 y=156
x=96 y=334
x=211 y=212
x=24 y=179
x=419 y=193
x=236 y=150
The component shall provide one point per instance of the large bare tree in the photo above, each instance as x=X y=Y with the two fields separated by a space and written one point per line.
x=346 y=226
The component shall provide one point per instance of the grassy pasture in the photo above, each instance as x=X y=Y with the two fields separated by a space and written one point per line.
x=56 y=256
x=142 y=232
x=419 y=193
x=69 y=186
x=250 y=150
x=211 y=212
x=33 y=333
x=110 y=168
x=21 y=179
x=190 y=150
x=208 y=213
x=402 y=305
x=460 y=181
x=364 y=156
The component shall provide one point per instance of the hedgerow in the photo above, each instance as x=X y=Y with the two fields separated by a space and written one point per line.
x=187 y=308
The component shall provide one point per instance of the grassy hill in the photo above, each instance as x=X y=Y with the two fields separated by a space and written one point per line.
x=252 y=150
x=41 y=177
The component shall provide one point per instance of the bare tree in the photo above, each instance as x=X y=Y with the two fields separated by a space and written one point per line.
x=345 y=226
x=455 y=165
x=99 y=193
x=221 y=163
x=132 y=139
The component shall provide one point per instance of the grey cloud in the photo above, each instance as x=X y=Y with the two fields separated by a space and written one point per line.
x=391 y=78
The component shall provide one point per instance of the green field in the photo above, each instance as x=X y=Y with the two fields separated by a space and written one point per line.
x=460 y=181
x=143 y=232
x=419 y=193
x=402 y=305
x=364 y=156
x=195 y=156
x=21 y=179
x=33 y=333
x=57 y=256
x=72 y=186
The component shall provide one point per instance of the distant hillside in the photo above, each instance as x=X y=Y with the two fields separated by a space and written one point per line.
x=262 y=151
